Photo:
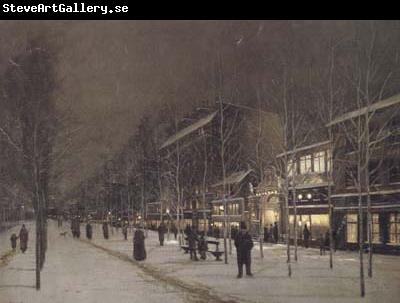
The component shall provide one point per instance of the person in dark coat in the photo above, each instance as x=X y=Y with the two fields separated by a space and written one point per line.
x=89 y=231
x=203 y=247
x=192 y=239
x=139 y=251
x=105 y=230
x=275 y=232
x=306 y=236
x=327 y=240
x=266 y=234
x=13 y=240
x=161 y=232
x=23 y=238
x=187 y=230
x=234 y=232
x=125 y=230
x=243 y=244
x=78 y=227
x=174 y=230
x=321 y=242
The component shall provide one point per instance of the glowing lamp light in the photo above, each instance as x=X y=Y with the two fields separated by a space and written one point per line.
x=300 y=196
x=309 y=196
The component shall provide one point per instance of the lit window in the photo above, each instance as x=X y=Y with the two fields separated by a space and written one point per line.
x=394 y=228
x=351 y=228
x=319 y=162
x=305 y=164
x=375 y=228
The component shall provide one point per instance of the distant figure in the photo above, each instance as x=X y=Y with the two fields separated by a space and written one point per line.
x=266 y=234
x=23 y=238
x=174 y=230
x=243 y=244
x=105 y=230
x=192 y=239
x=271 y=233
x=234 y=232
x=125 y=231
x=203 y=247
x=13 y=240
x=139 y=251
x=161 y=232
x=327 y=240
x=306 y=236
x=335 y=239
x=89 y=231
x=321 y=242
x=187 y=230
x=275 y=232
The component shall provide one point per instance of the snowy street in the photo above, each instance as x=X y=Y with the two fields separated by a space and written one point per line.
x=103 y=270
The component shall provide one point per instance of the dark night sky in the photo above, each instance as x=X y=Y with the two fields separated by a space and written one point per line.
x=112 y=72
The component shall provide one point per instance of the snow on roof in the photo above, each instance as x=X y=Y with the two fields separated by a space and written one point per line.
x=303 y=148
x=362 y=111
x=234 y=178
x=187 y=130
x=379 y=192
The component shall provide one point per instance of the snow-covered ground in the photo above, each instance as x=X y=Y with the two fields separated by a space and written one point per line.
x=102 y=270
x=76 y=272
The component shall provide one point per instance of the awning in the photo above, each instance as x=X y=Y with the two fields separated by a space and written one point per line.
x=188 y=130
x=234 y=178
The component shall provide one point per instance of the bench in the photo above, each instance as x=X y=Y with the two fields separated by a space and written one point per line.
x=185 y=248
x=216 y=253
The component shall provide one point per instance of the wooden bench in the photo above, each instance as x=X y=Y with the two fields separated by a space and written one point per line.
x=185 y=248
x=216 y=253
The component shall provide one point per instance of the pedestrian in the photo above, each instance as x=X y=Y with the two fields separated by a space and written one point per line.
x=125 y=231
x=105 y=230
x=192 y=239
x=23 y=238
x=321 y=241
x=89 y=230
x=306 y=236
x=327 y=240
x=174 y=230
x=203 y=247
x=271 y=231
x=243 y=244
x=161 y=232
x=139 y=251
x=266 y=234
x=13 y=240
x=187 y=230
x=275 y=232
x=234 y=232
x=78 y=227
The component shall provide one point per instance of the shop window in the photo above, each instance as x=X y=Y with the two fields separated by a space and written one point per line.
x=319 y=224
x=305 y=164
x=233 y=209
x=394 y=228
x=375 y=228
x=352 y=228
x=319 y=162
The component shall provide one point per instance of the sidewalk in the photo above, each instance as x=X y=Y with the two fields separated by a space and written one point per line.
x=311 y=281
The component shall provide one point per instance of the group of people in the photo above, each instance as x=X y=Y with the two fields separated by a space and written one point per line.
x=23 y=239
x=271 y=234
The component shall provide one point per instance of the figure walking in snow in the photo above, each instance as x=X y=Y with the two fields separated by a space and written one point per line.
x=321 y=241
x=125 y=230
x=174 y=230
x=139 y=250
x=89 y=231
x=105 y=230
x=275 y=232
x=13 y=240
x=306 y=236
x=192 y=239
x=161 y=232
x=203 y=247
x=243 y=244
x=23 y=238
